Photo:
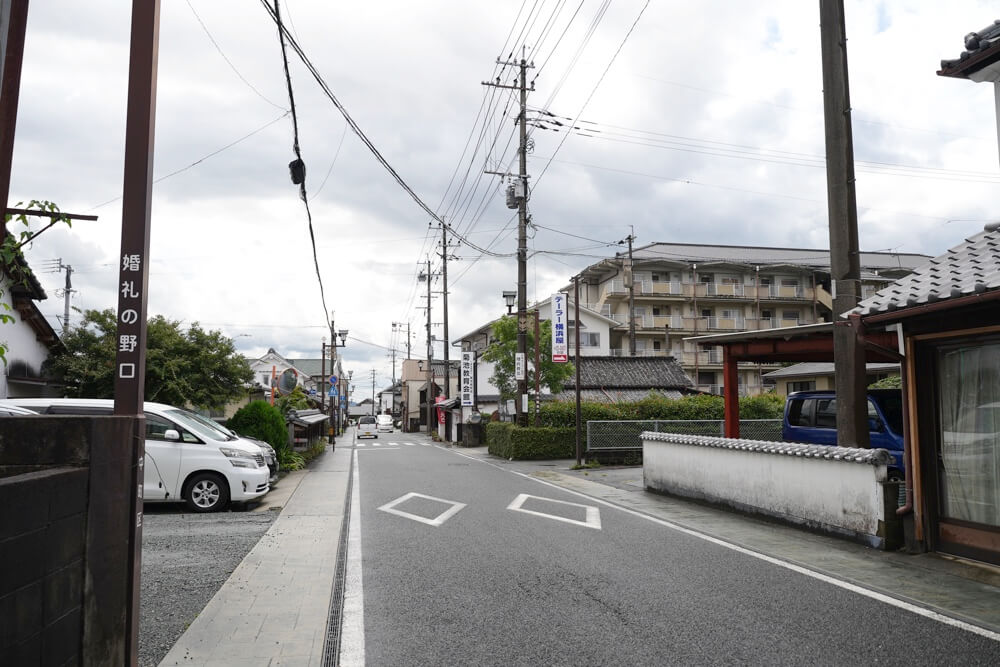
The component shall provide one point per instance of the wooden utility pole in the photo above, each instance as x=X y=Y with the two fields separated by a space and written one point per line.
x=845 y=268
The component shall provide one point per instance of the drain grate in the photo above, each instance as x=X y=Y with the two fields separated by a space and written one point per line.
x=331 y=646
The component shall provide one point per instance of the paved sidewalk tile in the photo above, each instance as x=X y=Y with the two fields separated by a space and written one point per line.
x=273 y=608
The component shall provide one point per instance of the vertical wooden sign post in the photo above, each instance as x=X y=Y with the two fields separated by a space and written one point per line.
x=133 y=278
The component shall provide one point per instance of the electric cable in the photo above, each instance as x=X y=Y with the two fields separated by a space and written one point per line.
x=300 y=176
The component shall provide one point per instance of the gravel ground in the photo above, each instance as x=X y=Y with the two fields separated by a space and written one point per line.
x=185 y=559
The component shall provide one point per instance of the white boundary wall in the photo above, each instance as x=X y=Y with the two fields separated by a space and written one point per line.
x=833 y=489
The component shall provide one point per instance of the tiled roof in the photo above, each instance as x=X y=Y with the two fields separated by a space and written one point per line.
x=615 y=395
x=972 y=267
x=978 y=61
x=630 y=373
x=846 y=454
x=310 y=366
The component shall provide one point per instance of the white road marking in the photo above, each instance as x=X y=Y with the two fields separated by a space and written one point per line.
x=352 y=623
x=593 y=514
x=437 y=521
x=854 y=588
x=426 y=444
x=359 y=444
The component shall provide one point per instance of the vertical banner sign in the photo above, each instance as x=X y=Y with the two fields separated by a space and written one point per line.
x=466 y=388
x=519 y=370
x=560 y=349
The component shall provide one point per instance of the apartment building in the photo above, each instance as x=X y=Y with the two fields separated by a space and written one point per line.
x=681 y=290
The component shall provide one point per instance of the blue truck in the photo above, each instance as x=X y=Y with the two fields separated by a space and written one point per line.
x=811 y=417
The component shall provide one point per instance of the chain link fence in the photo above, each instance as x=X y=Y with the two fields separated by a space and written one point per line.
x=624 y=436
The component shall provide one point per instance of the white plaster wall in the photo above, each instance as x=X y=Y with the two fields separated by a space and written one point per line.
x=844 y=495
x=21 y=342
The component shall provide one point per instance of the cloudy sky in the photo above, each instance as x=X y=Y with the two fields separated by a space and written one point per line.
x=706 y=127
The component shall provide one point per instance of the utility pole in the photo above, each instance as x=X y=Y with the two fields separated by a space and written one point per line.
x=430 y=350
x=630 y=277
x=576 y=362
x=399 y=327
x=538 y=370
x=322 y=376
x=444 y=278
x=521 y=197
x=373 y=392
x=67 y=291
x=845 y=268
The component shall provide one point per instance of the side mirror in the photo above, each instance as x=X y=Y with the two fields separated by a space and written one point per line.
x=171 y=434
x=875 y=425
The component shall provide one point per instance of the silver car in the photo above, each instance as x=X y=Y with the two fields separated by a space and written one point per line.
x=367 y=428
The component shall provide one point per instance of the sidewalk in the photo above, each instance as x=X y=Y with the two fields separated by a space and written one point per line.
x=273 y=609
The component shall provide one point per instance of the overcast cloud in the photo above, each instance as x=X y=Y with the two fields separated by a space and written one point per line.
x=230 y=244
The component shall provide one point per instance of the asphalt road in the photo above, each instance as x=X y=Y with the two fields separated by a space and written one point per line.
x=522 y=575
x=185 y=559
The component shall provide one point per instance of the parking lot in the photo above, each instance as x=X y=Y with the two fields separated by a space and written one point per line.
x=185 y=559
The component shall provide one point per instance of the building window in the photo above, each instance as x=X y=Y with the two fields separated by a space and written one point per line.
x=656 y=277
x=766 y=281
x=706 y=277
x=803 y=385
x=656 y=311
x=790 y=315
x=729 y=314
x=656 y=345
x=265 y=379
x=789 y=282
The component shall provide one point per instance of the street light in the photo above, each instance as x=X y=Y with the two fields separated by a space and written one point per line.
x=510 y=298
x=335 y=399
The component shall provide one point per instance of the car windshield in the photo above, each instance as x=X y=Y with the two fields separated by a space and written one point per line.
x=367 y=420
x=196 y=425
x=211 y=423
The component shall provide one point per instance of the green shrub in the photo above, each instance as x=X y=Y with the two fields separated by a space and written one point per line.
x=764 y=406
x=656 y=406
x=261 y=420
x=542 y=442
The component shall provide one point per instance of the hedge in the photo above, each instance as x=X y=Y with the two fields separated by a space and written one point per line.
x=261 y=420
x=532 y=442
x=702 y=406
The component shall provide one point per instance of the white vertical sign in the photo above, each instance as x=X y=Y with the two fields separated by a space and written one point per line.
x=519 y=371
x=560 y=349
x=466 y=388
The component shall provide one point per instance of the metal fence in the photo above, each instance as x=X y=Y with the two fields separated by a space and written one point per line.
x=622 y=436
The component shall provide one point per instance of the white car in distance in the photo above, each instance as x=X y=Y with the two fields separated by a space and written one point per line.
x=384 y=423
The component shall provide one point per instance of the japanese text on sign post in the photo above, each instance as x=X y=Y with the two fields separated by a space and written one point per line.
x=128 y=317
x=466 y=388
x=560 y=348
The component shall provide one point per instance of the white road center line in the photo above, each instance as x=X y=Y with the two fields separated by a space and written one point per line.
x=352 y=623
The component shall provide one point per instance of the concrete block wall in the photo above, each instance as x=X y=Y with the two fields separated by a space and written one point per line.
x=42 y=544
x=836 y=490
x=65 y=518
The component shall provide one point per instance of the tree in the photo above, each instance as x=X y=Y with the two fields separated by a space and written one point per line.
x=501 y=352
x=193 y=367
x=295 y=400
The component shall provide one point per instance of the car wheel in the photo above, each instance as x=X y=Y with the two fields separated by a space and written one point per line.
x=896 y=476
x=206 y=492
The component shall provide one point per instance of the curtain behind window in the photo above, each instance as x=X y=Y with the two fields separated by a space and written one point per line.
x=969 y=383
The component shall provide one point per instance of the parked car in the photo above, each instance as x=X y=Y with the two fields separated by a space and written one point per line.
x=384 y=423
x=8 y=410
x=270 y=456
x=811 y=417
x=186 y=459
x=367 y=427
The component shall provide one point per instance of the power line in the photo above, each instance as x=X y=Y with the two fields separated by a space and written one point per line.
x=228 y=61
x=298 y=166
x=203 y=158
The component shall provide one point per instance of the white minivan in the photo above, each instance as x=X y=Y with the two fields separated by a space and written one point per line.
x=186 y=459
